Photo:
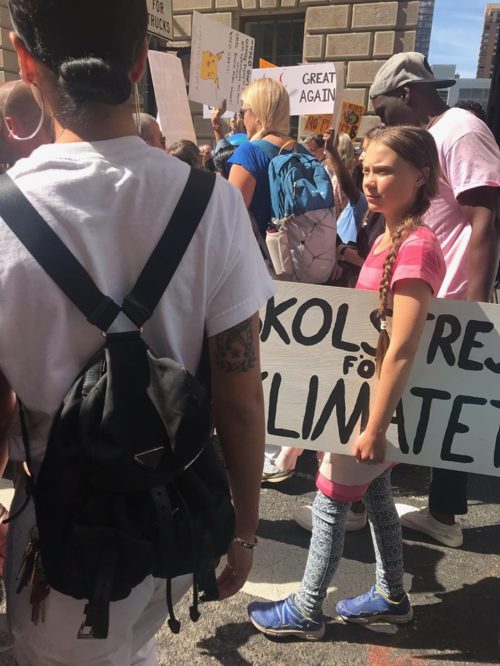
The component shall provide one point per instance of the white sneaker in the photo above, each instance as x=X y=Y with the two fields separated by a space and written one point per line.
x=422 y=521
x=353 y=521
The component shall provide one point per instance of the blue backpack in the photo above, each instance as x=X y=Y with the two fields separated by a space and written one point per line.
x=301 y=238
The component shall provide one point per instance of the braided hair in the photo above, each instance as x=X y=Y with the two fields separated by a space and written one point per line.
x=416 y=146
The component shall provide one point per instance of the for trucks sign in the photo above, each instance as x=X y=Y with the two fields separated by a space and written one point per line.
x=160 y=21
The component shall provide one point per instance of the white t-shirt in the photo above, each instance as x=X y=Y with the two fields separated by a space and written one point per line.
x=110 y=202
x=469 y=158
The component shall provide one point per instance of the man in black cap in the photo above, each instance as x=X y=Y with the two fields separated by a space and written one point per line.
x=464 y=217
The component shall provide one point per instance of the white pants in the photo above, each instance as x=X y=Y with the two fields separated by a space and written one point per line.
x=132 y=626
x=271 y=453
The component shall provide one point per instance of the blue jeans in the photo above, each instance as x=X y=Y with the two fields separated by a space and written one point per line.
x=327 y=544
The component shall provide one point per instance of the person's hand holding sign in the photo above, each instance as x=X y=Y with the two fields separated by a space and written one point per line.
x=370 y=448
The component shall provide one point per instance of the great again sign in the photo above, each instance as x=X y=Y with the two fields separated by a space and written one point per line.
x=318 y=346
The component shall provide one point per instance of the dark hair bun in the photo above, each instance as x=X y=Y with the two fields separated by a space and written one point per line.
x=94 y=80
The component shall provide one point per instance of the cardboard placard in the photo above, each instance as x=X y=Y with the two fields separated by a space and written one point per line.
x=317 y=351
x=221 y=63
x=351 y=115
x=318 y=124
x=171 y=97
x=264 y=64
x=312 y=88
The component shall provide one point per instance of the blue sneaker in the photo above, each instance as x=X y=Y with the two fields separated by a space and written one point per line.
x=375 y=607
x=283 y=618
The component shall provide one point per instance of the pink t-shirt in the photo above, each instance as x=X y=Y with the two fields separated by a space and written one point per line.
x=469 y=158
x=419 y=256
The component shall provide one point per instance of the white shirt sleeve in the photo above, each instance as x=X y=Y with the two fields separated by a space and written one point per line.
x=243 y=285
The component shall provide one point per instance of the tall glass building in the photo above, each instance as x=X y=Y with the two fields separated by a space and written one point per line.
x=424 y=26
x=489 y=41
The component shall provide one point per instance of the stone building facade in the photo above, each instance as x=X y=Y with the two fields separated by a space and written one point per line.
x=9 y=69
x=361 y=33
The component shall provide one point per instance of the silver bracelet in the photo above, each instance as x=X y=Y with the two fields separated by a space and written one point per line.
x=245 y=544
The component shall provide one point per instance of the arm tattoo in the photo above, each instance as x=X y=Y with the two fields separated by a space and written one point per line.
x=234 y=348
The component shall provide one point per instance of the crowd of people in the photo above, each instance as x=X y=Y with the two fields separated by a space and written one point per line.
x=417 y=207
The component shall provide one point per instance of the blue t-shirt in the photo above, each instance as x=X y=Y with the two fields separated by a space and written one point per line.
x=349 y=220
x=255 y=161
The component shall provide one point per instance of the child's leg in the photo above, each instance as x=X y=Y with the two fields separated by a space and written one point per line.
x=386 y=534
x=325 y=551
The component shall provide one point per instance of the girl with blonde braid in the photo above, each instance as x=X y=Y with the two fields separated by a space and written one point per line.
x=406 y=266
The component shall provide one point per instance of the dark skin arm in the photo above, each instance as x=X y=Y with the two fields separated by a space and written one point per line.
x=481 y=206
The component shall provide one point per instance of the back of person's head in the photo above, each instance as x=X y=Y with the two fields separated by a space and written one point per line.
x=186 y=151
x=87 y=49
x=473 y=107
x=268 y=99
x=220 y=158
x=23 y=124
x=149 y=130
x=318 y=138
x=374 y=131
x=417 y=147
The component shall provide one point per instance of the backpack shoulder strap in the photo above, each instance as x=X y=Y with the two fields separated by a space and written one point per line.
x=269 y=149
x=166 y=257
x=57 y=261
x=67 y=272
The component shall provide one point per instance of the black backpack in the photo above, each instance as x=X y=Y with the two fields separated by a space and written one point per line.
x=130 y=484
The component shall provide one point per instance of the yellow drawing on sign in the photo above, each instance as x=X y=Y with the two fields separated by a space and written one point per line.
x=350 y=118
x=209 y=67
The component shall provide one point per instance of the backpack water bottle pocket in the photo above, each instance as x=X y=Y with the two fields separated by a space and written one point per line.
x=279 y=250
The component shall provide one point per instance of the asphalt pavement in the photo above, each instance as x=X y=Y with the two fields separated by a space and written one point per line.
x=455 y=592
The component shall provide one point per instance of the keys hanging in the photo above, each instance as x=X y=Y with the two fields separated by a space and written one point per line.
x=39 y=591
x=26 y=569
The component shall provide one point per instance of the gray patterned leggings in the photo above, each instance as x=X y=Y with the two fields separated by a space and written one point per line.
x=327 y=544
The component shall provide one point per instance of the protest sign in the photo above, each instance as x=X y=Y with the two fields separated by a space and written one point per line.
x=312 y=88
x=221 y=63
x=171 y=97
x=160 y=19
x=318 y=346
x=351 y=116
x=265 y=63
x=317 y=124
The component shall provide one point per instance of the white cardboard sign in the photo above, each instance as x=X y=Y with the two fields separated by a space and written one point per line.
x=317 y=348
x=160 y=18
x=312 y=88
x=221 y=63
x=171 y=97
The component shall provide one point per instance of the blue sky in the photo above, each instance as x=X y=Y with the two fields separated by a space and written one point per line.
x=456 y=33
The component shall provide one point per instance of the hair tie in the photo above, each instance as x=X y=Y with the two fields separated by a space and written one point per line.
x=383 y=325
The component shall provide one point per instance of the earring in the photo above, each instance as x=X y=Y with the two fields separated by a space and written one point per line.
x=137 y=107
x=38 y=127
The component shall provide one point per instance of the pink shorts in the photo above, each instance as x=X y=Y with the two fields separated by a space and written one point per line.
x=342 y=478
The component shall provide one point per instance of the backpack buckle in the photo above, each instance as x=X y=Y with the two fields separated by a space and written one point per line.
x=86 y=632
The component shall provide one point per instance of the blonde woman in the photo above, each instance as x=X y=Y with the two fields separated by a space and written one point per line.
x=348 y=158
x=266 y=115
